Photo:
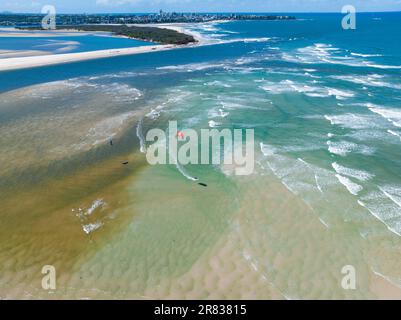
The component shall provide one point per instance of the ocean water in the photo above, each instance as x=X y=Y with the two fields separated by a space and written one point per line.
x=325 y=105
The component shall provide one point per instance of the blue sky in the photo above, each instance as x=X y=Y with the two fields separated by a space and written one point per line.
x=107 y=6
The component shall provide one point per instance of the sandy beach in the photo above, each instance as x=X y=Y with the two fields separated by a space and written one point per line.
x=21 y=60
x=45 y=60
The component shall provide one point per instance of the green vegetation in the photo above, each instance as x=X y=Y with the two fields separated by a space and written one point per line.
x=152 y=34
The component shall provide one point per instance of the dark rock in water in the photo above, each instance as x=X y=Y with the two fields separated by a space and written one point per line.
x=202 y=184
x=126 y=162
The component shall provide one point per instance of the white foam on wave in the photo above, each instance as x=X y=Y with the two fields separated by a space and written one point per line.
x=352 y=121
x=192 y=67
x=286 y=86
x=394 y=281
x=298 y=147
x=223 y=114
x=217 y=83
x=352 y=187
x=340 y=94
x=353 y=173
x=95 y=205
x=324 y=223
x=214 y=124
x=390 y=114
x=372 y=80
x=153 y=114
x=396 y=134
x=265 y=39
x=216 y=41
x=238 y=104
x=297 y=175
x=84 y=214
x=140 y=136
x=377 y=66
x=120 y=92
x=317 y=186
x=365 y=55
x=267 y=150
x=393 y=193
x=118 y=75
x=220 y=113
x=384 y=205
x=89 y=228
x=342 y=148
x=326 y=53
x=311 y=91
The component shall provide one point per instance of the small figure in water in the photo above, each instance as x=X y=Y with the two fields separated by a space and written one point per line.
x=111 y=142
x=202 y=184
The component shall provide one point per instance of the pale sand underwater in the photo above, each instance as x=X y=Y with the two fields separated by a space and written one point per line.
x=274 y=249
x=14 y=32
x=47 y=60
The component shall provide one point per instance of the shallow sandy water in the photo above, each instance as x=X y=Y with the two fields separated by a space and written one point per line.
x=251 y=239
x=140 y=232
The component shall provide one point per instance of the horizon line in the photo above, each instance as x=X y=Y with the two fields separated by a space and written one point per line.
x=208 y=12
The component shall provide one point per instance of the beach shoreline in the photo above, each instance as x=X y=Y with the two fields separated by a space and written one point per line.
x=9 y=64
x=25 y=62
x=180 y=28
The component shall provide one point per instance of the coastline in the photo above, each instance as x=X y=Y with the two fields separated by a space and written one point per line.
x=52 y=59
x=179 y=27
x=15 y=63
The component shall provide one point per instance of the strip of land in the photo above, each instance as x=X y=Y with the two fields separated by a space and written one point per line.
x=148 y=33
x=167 y=39
x=45 y=60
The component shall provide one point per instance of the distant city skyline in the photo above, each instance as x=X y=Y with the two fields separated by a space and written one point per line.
x=142 y=6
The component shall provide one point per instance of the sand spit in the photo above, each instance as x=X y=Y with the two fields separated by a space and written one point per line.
x=14 y=63
x=46 y=60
